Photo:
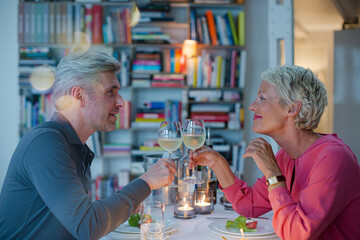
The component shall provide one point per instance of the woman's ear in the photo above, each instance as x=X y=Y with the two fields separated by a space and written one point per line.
x=294 y=109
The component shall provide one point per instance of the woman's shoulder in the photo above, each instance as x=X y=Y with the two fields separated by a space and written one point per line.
x=333 y=147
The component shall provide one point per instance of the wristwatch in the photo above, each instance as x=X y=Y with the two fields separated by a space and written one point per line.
x=275 y=180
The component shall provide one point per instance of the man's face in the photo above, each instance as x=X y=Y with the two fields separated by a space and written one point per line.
x=103 y=102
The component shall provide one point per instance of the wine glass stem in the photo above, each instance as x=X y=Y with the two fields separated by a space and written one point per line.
x=194 y=169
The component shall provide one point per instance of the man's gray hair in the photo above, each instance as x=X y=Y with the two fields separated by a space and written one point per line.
x=81 y=69
x=294 y=83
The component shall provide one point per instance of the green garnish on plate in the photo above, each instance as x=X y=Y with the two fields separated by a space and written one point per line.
x=239 y=222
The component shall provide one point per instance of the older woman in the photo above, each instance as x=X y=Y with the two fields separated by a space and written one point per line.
x=313 y=182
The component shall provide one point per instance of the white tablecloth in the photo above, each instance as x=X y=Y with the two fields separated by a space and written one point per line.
x=196 y=228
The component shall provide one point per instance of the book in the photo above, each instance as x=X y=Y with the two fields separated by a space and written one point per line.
x=21 y=23
x=88 y=21
x=242 y=69
x=150 y=115
x=210 y=118
x=212 y=27
x=241 y=28
x=97 y=36
x=205 y=29
x=233 y=29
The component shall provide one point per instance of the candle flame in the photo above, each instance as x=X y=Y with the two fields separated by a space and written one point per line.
x=242 y=233
x=186 y=206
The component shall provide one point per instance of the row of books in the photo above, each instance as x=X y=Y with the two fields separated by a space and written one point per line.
x=60 y=23
x=168 y=80
x=147 y=61
x=124 y=74
x=35 y=109
x=116 y=149
x=218 y=29
x=124 y=117
x=217 y=69
x=218 y=115
x=94 y=143
x=214 y=95
x=116 y=28
x=104 y=186
x=151 y=115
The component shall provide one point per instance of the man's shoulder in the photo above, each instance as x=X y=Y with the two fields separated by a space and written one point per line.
x=45 y=132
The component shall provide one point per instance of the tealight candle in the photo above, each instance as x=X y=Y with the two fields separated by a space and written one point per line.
x=184 y=205
x=185 y=208
x=204 y=206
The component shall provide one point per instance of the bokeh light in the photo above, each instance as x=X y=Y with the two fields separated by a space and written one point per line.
x=82 y=42
x=42 y=78
x=134 y=15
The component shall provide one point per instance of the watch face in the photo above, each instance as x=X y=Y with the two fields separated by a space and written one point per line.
x=275 y=179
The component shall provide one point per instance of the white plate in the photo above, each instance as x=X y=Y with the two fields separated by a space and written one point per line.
x=264 y=227
x=270 y=236
x=125 y=228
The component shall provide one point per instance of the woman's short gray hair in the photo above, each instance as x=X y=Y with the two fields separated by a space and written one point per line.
x=80 y=69
x=294 y=83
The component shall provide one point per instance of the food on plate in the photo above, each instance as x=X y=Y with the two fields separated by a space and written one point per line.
x=247 y=224
x=134 y=220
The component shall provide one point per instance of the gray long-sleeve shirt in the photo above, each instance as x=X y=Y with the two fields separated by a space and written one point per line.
x=45 y=192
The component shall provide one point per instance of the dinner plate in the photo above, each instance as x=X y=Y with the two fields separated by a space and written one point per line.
x=125 y=228
x=270 y=236
x=264 y=227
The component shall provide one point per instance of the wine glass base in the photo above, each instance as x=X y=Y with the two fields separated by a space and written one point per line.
x=193 y=180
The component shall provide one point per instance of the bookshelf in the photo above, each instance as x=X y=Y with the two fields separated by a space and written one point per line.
x=209 y=85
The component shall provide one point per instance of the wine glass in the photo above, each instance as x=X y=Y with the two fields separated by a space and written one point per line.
x=169 y=137
x=152 y=221
x=193 y=136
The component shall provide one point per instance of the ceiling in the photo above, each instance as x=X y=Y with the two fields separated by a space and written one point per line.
x=315 y=16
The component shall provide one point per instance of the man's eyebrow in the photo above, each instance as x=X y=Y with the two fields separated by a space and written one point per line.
x=112 y=88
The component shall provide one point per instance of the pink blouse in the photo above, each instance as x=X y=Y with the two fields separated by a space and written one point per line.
x=325 y=199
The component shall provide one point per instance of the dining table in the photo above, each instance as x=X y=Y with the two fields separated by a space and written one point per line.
x=202 y=226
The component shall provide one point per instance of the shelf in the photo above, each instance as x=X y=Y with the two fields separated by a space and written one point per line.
x=213 y=102
x=124 y=155
x=137 y=152
x=133 y=45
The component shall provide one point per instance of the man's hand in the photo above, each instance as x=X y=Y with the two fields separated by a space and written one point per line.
x=263 y=155
x=161 y=174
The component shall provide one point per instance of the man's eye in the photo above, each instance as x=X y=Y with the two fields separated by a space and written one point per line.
x=261 y=98
x=110 y=93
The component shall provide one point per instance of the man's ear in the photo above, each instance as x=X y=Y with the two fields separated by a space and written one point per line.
x=77 y=93
x=294 y=109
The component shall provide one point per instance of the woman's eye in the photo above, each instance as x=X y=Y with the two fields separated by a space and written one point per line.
x=110 y=93
x=261 y=98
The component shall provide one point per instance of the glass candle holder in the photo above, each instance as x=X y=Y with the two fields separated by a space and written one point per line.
x=184 y=205
x=204 y=203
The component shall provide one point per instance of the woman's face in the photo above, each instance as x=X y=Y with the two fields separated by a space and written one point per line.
x=269 y=114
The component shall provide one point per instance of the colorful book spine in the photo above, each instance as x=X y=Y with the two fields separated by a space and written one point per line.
x=97 y=36
x=88 y=21
x=241 y=26
x=233 y=29
x=212 y=27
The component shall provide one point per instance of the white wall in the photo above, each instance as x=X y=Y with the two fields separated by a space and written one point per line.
x=257 y=62
x=9 y=100
x=346 y=88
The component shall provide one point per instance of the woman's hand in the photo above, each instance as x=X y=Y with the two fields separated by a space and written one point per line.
x=263 y=155
x=205 y=156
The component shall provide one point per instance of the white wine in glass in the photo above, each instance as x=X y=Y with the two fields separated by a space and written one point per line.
x=193 y=137
x=169 y=137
